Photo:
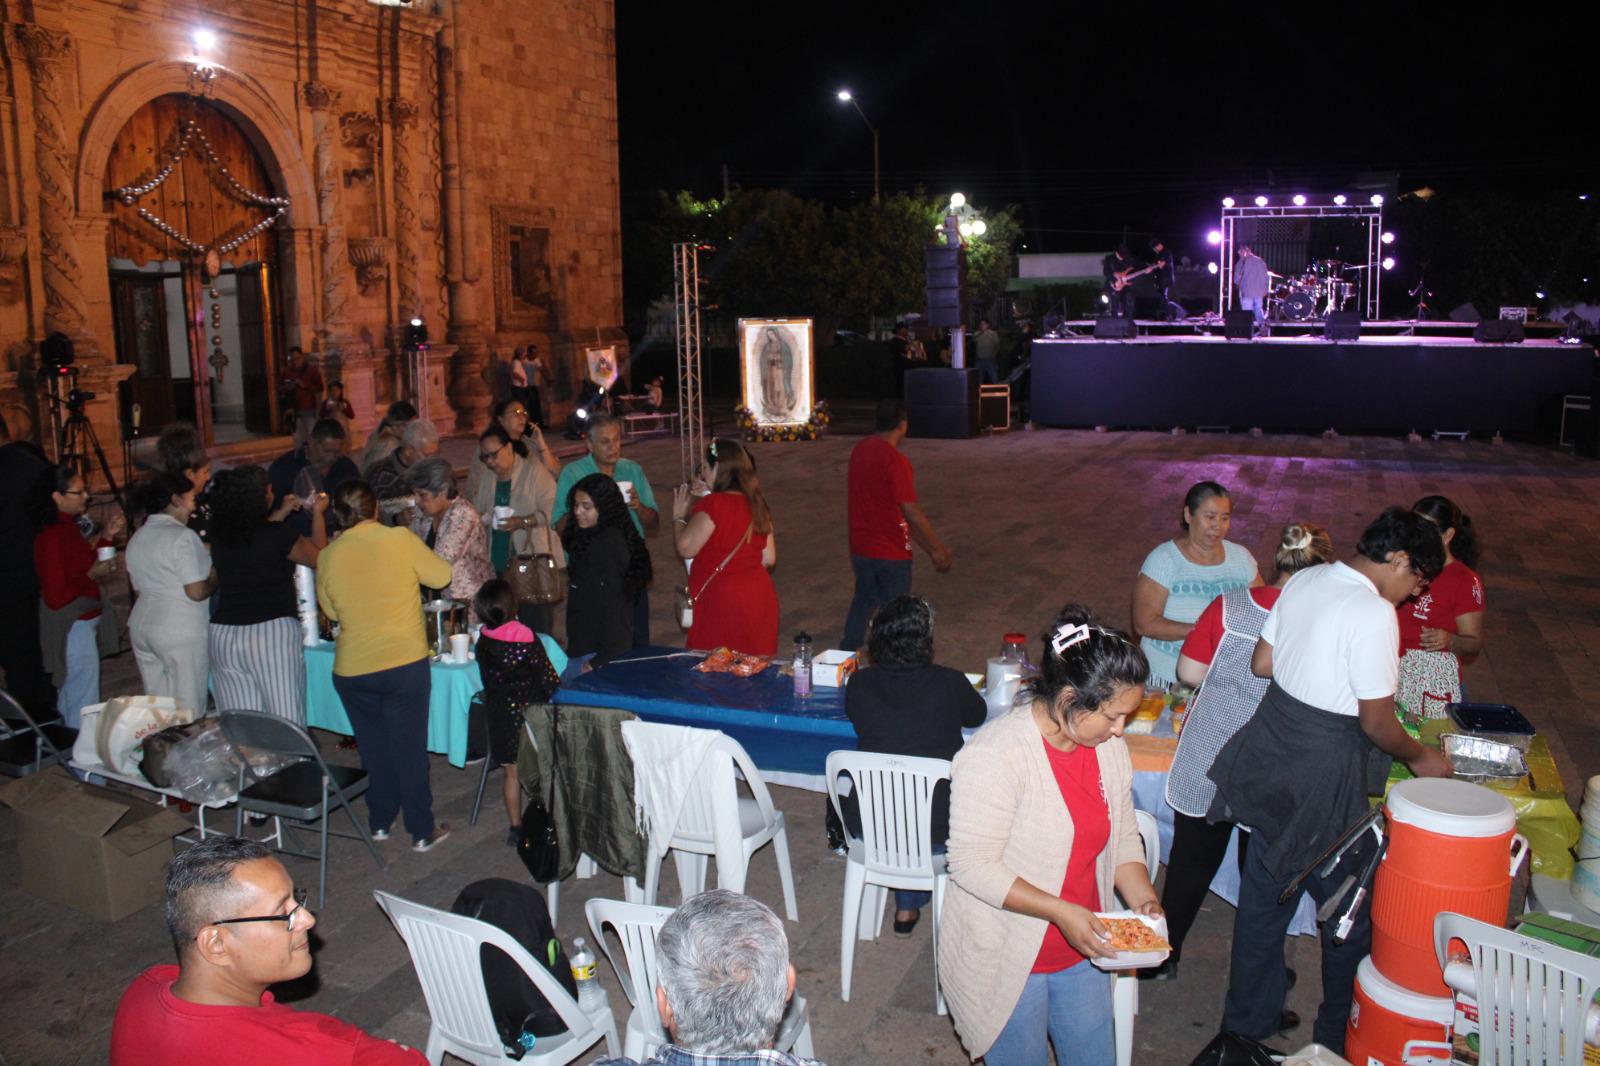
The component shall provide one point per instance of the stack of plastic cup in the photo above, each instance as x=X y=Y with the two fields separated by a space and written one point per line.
x=1586 y=874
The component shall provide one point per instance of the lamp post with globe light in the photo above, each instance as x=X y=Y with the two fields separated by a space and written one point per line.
x=846 y=97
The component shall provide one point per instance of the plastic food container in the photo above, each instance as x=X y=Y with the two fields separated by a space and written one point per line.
x=1134 y=960
x=1480 y=759
x=1493 y=721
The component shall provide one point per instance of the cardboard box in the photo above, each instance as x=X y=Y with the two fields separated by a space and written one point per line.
x=833 y=668
x=101 y=852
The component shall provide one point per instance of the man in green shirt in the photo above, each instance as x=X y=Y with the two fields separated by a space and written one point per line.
x=605 y=456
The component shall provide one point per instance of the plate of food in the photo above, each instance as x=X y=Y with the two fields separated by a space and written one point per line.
x=1138 y=940
x=727 y=661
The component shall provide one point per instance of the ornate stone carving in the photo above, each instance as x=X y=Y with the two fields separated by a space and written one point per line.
x=13 y=245
x=48 y=53
x=402 y=115
x=322 y=99
x=370 y=255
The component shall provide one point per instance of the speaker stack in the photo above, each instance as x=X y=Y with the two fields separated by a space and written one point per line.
x=942 y=402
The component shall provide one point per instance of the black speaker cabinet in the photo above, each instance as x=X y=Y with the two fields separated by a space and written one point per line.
x=941 y=385
x=1498 y=331
x=1239 y=325
x=954 y=421
x=1115 y=327
x=1343 y=326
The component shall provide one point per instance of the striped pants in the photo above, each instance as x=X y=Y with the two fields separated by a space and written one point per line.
x=260 y=668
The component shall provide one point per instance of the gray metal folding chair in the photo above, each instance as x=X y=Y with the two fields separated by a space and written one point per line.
x=301 y=792
x=28 y=746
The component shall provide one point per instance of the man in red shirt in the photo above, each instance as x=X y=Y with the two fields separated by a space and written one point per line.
x=303 y=383
x=884 y=520
x=239 y=926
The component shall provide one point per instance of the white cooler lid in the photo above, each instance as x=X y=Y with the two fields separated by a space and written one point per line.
x=1451 y=808
x=1440 y=1010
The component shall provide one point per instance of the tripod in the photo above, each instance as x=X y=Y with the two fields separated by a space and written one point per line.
x=76 y=433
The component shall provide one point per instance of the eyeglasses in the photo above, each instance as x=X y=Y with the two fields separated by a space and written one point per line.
x=76 y=492
x=517 y=412
x=292 y=921
x=488 y=457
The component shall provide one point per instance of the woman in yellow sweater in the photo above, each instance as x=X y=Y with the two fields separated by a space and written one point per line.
x=367 y=581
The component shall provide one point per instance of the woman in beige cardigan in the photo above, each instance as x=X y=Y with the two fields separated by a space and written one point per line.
x=502 y=481
x=1042 y=834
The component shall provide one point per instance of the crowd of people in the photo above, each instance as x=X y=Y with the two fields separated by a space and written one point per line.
x=1304 y=679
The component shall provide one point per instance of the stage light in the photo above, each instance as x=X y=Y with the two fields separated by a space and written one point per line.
x=1388 y=262
x=1539 y=295
x=1227 y=201
x=1104 y=298
x=1377 y=199
x=204 y=40
x=844 y=96
x=965 y=228
x=958 y=200
x=1387 y=238
x=1214 y=237
x=416 y=334
x=1339 y=200
x=1583 y=196
x=979 y=227
x=1299 y=199
x=1212 y=268
x=1261 y=201
x=416 y=321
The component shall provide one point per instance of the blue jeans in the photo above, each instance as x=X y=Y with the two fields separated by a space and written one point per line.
x=389 y=712
x=877 y=582
x=82 y=685
x=1258 y=307
x=1072 y=1008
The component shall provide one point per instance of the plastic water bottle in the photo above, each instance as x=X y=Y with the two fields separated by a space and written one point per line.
x=590 y=995
x=802 y=665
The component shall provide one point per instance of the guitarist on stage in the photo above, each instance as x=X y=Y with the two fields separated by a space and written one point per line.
x=1120 y=269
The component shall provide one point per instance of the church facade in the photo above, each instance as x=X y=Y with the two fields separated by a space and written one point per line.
x=189 y=191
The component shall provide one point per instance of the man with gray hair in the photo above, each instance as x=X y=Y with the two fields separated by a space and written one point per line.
x=387 y=476
x=724 y=983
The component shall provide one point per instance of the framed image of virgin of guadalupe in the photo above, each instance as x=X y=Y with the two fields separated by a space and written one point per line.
x=775 y=358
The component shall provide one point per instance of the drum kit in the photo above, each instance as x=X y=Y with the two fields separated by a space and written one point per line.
x=1326 y=286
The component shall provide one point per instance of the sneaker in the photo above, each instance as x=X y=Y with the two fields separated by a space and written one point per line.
x=440 y=832
x=380 y=834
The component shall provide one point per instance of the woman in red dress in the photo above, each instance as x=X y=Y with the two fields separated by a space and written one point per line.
x=728 y=533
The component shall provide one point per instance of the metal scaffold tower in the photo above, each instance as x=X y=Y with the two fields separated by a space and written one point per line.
x=686 y=327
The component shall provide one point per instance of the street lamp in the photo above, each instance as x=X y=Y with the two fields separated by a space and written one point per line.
x=845 y=97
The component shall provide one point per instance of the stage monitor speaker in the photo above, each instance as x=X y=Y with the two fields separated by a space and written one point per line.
x=946 y=386
x=1498 y=331
x=1464 y=313
x=1239 y=325
x=1115 y=327
x=1343 y=326
x=949 y=421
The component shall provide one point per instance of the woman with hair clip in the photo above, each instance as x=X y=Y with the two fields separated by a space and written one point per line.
x=1216 y=657
x=368 y=581
x=607 y=565
x=1441 y=627
x=171 y=571
x=1042 y=835
x=729 y=535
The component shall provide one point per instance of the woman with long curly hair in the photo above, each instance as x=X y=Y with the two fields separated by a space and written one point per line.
x=729 y=535
x=607 y=567
x=257 y=662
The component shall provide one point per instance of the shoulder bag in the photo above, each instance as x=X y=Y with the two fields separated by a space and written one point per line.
x=533 y=576
x=537 y=845
x=684 y=603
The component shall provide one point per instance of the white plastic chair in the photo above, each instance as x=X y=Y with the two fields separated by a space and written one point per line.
x=445 y=952
x=1125 y=986
x=637 y=926
x=895 y=797
x=716 y=821
x=1533 y=997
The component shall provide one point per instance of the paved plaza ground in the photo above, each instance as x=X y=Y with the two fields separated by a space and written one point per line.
x=1035 y=519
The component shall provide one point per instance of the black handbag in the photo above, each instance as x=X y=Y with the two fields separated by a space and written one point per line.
x=537 y=846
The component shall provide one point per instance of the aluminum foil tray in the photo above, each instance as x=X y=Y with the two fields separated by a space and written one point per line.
x=1478 y=759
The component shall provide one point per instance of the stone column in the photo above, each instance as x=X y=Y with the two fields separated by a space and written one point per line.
x=469 y=388
x=323 y=100
x=49 y=57
x=402 y=116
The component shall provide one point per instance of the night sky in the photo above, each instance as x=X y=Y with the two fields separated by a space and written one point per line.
x=1095 y=119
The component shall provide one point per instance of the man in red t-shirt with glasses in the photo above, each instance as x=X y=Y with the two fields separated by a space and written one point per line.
x=884 y=520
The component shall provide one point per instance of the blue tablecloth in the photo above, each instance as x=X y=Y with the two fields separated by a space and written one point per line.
x=453 y=687
x=783 y=734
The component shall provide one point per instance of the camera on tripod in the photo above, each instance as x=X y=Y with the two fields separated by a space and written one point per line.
x=78 y=397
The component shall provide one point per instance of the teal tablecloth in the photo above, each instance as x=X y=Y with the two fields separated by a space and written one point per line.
x=448 y=702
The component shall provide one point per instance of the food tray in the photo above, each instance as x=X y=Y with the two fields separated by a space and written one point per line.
x=1480 y=759
x=1493 y=721
x=1134 y=960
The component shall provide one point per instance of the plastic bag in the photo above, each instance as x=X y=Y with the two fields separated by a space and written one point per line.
x=203 y=767
x=1230 y=1049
